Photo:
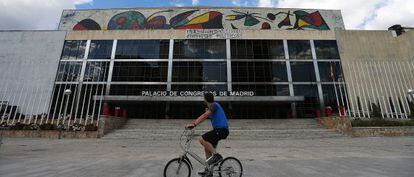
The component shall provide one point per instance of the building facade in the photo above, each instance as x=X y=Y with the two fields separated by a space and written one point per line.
x=157 y=63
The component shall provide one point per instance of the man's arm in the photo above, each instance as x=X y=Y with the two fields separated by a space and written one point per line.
x=203 y=117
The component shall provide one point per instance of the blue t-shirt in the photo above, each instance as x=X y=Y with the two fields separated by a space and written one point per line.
x=218 y=118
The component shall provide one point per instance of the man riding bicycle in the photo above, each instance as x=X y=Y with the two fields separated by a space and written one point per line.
x=220 y=131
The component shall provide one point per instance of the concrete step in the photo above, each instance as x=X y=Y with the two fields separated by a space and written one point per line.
x=152 y=129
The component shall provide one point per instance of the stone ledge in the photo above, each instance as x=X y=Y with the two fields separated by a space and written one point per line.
x=49 y=134
x=106 y=125
x=344 y=126
x=383 y=131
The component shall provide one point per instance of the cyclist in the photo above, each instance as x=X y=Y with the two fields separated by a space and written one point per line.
x=220 y=130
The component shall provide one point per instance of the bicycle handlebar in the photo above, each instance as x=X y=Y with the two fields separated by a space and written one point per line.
x=188 y=134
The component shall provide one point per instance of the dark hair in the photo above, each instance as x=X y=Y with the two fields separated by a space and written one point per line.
x=209 y=97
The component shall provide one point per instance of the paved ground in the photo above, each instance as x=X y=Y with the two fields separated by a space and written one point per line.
x=267 y=148
x=323 y=157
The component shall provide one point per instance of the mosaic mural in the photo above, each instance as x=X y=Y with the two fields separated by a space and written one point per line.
x=181 y=18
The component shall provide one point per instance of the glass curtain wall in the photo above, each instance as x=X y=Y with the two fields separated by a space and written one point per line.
x=259 y=66
x=197 y=65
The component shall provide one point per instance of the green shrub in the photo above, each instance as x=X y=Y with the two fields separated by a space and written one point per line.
x=376 y=111
x=411 y=104
x=91 y=127
x=381 y=123
x=47 y=126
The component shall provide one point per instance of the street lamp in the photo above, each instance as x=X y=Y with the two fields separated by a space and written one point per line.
x=411 y=93
x=67 y=93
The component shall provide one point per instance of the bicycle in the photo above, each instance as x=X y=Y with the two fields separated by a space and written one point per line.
x=182 y=166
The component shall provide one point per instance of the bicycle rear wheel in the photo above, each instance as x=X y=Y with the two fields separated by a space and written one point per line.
x=177 y=168
x=230 y=167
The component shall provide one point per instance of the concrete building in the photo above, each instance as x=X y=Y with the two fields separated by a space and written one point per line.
x=157 y=62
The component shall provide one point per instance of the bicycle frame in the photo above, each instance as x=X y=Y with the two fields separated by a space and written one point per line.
x=187 y=146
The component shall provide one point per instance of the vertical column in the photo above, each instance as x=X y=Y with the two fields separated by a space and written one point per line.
x=170 y=64
x=289 y=75
x=111 y=67
x=88 y=45
x=169 y=74
x=318 y=78
x=229 y=73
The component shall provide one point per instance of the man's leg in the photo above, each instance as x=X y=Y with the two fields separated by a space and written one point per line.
x=208 y=148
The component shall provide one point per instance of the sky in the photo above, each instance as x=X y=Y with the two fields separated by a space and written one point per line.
x=357 y=14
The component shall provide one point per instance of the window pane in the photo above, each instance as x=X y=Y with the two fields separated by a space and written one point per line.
x=135 y=89
x=199 y=49
x=73 y=50
x=326 y=49
x=69 y=71
x=199 y=72
x=329 y=96
x=299 y=49
x=100 y=49
x=209 y=87
x=330 y=71
x=140 y=71
x=303 y=72
x=311 y=104
x=187 y=110
x=264 y=90
x=259 y=71
x=96 y=72
x=240 y=110
x=142 y=49
x=257 y=49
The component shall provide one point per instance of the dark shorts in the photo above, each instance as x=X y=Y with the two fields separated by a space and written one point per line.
x=215 y=135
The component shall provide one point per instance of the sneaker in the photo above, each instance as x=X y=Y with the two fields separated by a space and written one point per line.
x=203 y=173
x=215 y=159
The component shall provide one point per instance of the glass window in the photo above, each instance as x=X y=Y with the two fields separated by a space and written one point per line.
x=330 y=71
x=264 y=90
x=200 y=49
x=73 y=50
x=69 y=71
x=326 y=49
x=329 y=95
x=96 y=72
x=134 y=89
x=259 y=72
x=100 y=49
x=58 y=98
x=187 y=110
x=140 y=71
x=311 y=104
x=303 y=72
x=260 y=110
x=199 y=72
x=142 y=49
x=194 y=87
x=310 y=91
x=257 y=49
x=299 y=49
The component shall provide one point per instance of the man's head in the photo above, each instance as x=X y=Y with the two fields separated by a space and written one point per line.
x=209 y=97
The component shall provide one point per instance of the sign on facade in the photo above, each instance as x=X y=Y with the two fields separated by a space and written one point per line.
x=196 y=93
x=213 y=34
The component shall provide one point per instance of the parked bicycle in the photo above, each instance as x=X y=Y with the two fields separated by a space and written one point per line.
x=182 y=166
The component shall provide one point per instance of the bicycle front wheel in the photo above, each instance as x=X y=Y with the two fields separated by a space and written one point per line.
x=177 y=168
x=230 y=167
